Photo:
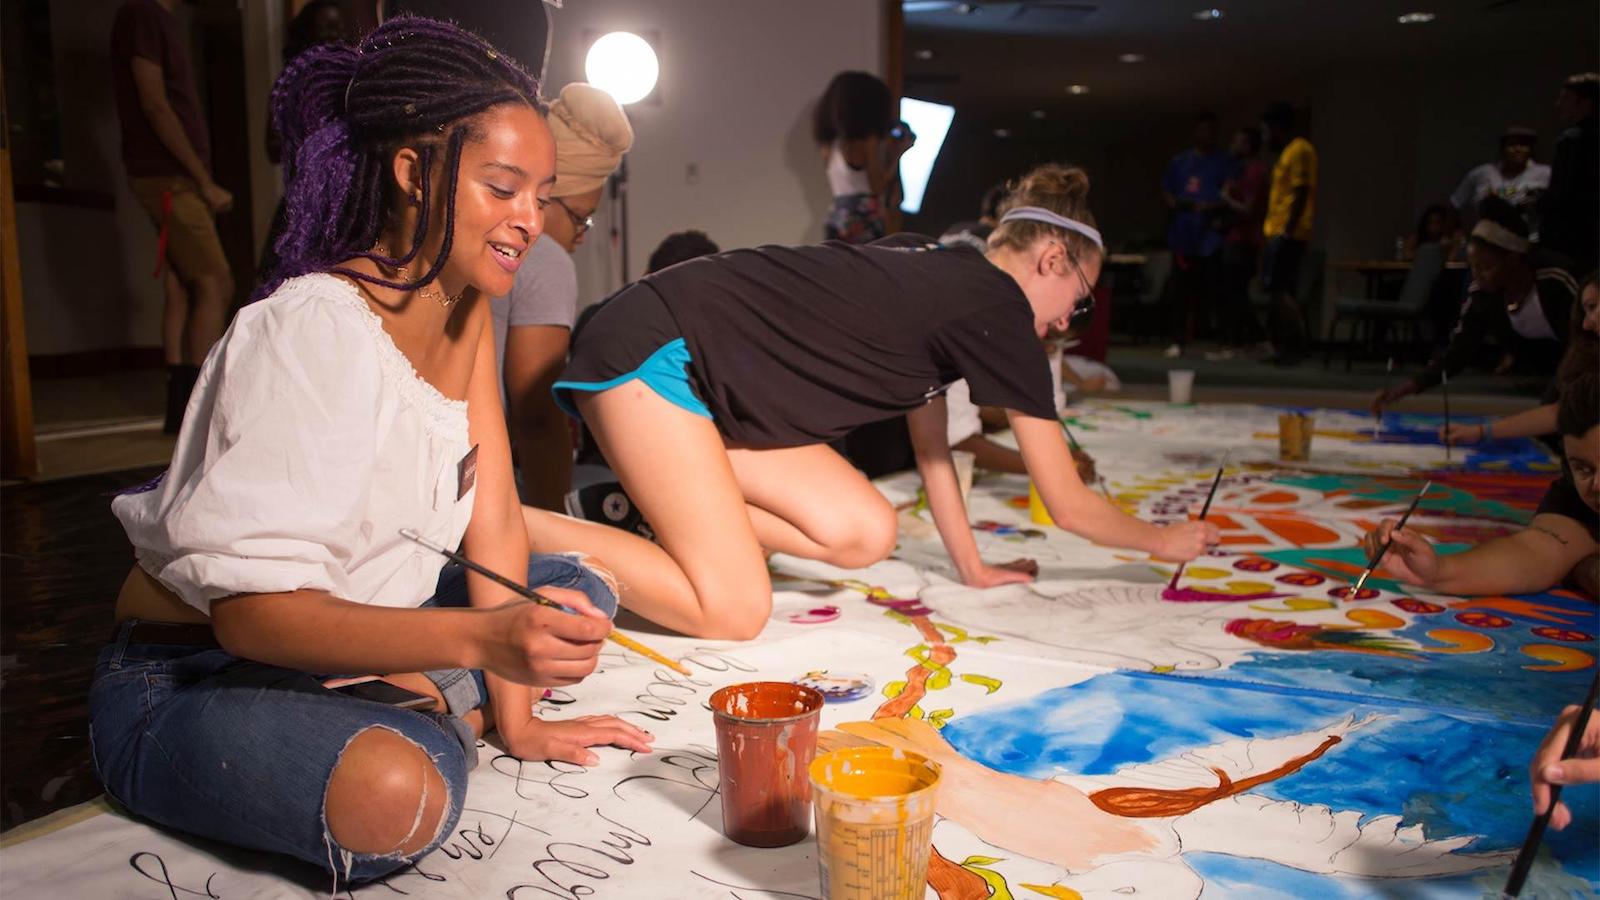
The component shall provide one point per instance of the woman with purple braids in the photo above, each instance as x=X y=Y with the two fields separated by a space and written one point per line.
x=356 y=399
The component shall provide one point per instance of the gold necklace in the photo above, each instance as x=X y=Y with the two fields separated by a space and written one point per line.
x=431 y=290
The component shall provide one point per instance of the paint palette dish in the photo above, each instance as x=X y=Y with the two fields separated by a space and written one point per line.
x=838 y=687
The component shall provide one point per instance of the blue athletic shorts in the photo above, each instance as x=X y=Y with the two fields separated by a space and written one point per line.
x=632 y=335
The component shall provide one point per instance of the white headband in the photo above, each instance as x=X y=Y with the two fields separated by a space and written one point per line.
x=1039 y=214
x=1494 y=233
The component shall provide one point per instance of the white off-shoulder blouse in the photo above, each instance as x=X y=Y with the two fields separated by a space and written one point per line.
x=309 y=442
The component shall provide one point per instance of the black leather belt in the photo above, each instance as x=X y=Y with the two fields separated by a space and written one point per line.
x=181 y=633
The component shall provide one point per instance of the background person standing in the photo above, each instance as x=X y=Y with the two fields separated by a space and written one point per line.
x=166 y=152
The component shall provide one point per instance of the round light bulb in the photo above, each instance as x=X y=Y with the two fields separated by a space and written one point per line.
x=623 y=65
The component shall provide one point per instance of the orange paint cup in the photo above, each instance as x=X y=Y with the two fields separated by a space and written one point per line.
x=874 y=822
x=766 y=738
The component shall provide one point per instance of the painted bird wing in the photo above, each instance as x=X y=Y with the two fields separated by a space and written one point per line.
x=1316 y=838
x=1238 y=758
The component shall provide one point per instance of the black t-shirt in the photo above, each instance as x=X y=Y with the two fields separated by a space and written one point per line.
x=798 y=345
x=1562 y=500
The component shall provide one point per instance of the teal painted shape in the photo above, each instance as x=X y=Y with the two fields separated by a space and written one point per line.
x=1301 y=558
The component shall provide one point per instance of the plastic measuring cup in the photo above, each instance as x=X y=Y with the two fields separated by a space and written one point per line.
x=766 y=737
x=874 y=822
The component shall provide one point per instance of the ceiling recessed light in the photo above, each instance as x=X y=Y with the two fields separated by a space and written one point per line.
x=1415 y=18
x=967 y=9
x=1002 y=133
x=1207 y=15
x=1037 y=114
x=1132 y=57
x=924 y=54
x=1077 y=89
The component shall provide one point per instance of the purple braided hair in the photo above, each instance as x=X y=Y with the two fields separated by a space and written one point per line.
x=344 y=111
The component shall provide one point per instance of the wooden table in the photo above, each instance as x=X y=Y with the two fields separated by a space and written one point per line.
x=1376 y=270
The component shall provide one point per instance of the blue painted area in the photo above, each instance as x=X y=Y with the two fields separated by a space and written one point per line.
x=1455 y=772
x=1234 y=878
x=1494 y=681
x=1516 y=455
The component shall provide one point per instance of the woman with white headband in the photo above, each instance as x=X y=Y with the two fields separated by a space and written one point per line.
x=714 y=386
x=1519 y=297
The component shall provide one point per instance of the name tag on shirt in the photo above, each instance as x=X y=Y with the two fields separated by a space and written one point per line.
x=467 y=472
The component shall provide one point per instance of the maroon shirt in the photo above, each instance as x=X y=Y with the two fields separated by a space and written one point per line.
x=1249 y=187
x=146 y=29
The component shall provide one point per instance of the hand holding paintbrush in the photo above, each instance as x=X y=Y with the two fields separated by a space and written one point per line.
x=523 y=591
x=1206 y=508
x=1384 y=548
x=1577 y=733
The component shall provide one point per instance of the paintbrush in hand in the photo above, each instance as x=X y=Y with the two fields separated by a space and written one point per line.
x=1071 y=441
x=1530 y=844
x=524 y=591
x=1382 y=551
x=1444 y=389
x=1173 y=584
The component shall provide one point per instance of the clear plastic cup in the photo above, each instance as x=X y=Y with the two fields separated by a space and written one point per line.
x=874 y=822
x=964 y=462
x=1180 y=386
x=766 y=738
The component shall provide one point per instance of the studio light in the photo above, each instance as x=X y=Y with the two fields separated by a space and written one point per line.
x=623 y=65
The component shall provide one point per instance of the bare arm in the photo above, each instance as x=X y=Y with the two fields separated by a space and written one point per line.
x=928 y=438
x=994 y=456
x=314 y=631
x=1077 y=509
x=1232 y=202
x=311 y=631
x=496 y=536
x=535 y=355
x=927 y=426
x=882 y=161
x=1528 y=423
x=1533 y=559
x=148 y=81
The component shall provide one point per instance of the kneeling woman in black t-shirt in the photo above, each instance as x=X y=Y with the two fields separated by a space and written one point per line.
x=1558 y=545
x=714 y=386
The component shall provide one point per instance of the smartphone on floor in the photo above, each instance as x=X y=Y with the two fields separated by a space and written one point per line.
x=380 y=691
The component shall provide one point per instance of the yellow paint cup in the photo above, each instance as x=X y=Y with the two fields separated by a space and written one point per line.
x=1036 y=510
x=874 y=808
x=1295 y=431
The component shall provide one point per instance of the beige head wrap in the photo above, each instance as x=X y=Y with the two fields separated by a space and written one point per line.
x=592 y=133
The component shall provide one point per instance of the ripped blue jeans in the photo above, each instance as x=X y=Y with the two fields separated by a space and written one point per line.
x=194 y=738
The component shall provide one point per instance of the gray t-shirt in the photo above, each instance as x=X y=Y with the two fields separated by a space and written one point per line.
x=545 y=293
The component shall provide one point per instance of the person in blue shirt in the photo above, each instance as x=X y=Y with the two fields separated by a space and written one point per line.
x=1192 y=187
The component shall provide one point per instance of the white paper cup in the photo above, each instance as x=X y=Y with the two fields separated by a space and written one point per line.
x=964 y=461
x=1180 y=386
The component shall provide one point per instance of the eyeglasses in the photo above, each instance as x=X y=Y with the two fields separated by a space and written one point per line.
x=1083 y=308
x=580 y=224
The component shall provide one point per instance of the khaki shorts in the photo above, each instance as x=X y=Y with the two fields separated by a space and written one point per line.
x=193 y=248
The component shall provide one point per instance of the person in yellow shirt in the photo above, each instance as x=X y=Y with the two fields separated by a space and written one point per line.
x=1291 y=202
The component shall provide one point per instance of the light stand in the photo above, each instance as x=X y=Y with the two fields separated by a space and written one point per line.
x=619 y=218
